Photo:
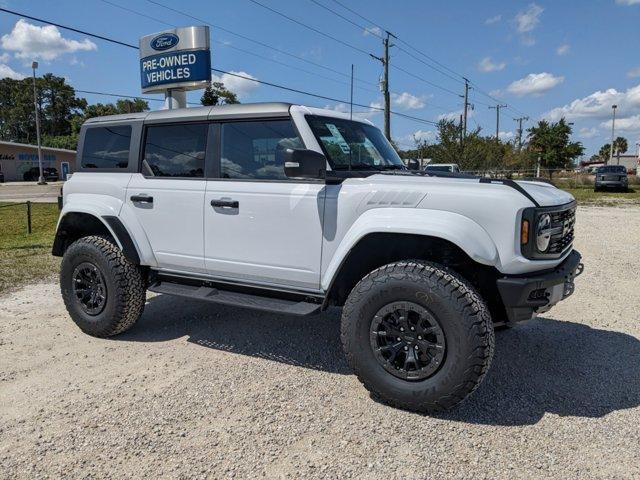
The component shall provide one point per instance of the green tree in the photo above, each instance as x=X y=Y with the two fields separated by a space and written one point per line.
x=620 y=145
x=217 y=94
x=57 y=106
x=552 y=142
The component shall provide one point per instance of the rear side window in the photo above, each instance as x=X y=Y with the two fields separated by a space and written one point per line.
x=254 y=149
x=175 y=150
x=106 y=147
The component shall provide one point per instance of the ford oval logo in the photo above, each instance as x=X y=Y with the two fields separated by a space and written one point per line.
x=164 y=41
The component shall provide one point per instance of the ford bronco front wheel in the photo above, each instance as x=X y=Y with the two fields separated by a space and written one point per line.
x=103 y=291
x=418 y=336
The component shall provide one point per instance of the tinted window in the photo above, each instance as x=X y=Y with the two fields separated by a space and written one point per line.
x=175 y=150
x=253 y=149
x=433 y=168
x=350 y=144
x=612 y=169
x=106 y=147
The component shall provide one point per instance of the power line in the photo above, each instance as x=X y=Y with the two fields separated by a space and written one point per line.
x=258 y=42
x=347 y=19
x=244 y=77
x=309 y=27
x=228 y=45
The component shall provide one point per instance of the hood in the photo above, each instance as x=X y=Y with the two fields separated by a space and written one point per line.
x=545 y=194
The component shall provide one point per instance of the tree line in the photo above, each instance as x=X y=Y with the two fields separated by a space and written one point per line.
x=547 y=142
x=62 y=112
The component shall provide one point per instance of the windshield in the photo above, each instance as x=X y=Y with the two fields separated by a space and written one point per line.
x=353 y=144
x=612 y=169
x=434 y=168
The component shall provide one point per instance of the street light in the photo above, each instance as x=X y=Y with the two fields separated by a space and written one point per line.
x=613 y=128
x=41 y=181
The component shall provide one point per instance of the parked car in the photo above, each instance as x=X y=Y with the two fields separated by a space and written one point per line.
x=611 y=176
x=50 y=174
x=292 y=209
x=442 y=167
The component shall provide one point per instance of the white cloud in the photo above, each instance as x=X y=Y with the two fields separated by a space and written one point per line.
x=407 y=101
x=4 y=58
x=506 y=136
x=628 y=2
x=588 y=132
x=428 y=136
x=598 y=105
x=7 y=72
x=535 y=84
x=528 y=19
x=488 y=65
x=240 y=86
x=634 y=73
x=628 y=124
x=368 y=114
x=377 y=31
x=492 y=20
x=46 y=43
x=563 y=49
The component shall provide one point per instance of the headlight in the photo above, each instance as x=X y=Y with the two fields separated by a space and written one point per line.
x=543 y=234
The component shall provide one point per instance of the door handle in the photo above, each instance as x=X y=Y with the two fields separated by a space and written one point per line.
x=225 y=203
x=141 y=199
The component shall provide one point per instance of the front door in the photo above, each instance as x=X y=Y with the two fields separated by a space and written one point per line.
x=259 y=226
x=167 y=195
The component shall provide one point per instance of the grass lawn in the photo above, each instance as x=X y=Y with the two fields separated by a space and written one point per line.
x=26 y=258
x=586 y=196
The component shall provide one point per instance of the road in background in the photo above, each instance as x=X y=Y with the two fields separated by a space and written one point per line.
x=198 y=390
x=30 y=191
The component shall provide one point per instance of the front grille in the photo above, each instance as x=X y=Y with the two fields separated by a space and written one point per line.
x=563 y=222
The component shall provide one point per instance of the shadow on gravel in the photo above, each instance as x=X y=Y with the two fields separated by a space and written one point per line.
x=310 y=342
x=550 y=366
x=544 y=366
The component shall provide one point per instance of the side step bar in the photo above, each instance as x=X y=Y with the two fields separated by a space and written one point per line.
x=238 y=299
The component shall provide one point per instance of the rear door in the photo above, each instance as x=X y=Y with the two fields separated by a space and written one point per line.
x=168 y=192
x=260 y=226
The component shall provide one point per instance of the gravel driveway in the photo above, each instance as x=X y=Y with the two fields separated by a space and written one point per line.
x=199 y=390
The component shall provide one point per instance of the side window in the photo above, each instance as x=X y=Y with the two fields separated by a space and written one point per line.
x=106 y=147
x=175 y=150
x=253 y=149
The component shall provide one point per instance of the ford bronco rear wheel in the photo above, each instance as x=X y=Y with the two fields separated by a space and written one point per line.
x=418 y=336
x=103 y=291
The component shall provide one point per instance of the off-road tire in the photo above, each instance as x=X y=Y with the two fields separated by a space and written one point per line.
x=124 y=281
x=461 y=313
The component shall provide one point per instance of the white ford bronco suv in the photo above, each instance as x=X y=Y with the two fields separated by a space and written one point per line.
x=291 y=209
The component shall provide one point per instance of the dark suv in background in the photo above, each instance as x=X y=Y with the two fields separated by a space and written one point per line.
x=612 y=176
x=50 y=174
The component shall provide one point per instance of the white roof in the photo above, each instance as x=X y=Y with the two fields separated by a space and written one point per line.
x=28 y=145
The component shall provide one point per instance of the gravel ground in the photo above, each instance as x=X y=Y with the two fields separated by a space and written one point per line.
x=197 y=390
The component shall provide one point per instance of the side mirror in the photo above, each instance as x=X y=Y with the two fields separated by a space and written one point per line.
x=300 y=163
x=413 y=164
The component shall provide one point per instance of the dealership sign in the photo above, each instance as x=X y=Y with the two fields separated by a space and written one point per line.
x=175 y=59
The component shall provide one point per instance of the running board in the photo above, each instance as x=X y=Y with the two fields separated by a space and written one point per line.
x=238 y=299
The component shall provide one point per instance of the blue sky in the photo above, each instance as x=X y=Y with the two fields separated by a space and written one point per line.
x=545 y=59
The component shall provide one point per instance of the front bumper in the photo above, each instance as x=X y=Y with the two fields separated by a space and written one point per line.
x=611 y=184
x=525 y=295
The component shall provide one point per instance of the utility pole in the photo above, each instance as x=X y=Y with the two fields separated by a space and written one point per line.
x=498 y=107
x=466 y=106
x=351 y=101
x=613 y=131
x=520 y=120
x=41 y=181
x=385 y=83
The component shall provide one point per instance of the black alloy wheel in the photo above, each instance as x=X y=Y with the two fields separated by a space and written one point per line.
x=89 y=288
x=407 y=340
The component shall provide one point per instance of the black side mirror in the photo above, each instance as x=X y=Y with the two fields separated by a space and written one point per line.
x=300 y=163
x=413 y=164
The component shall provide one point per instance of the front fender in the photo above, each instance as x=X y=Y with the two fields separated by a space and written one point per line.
x=453 y=227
